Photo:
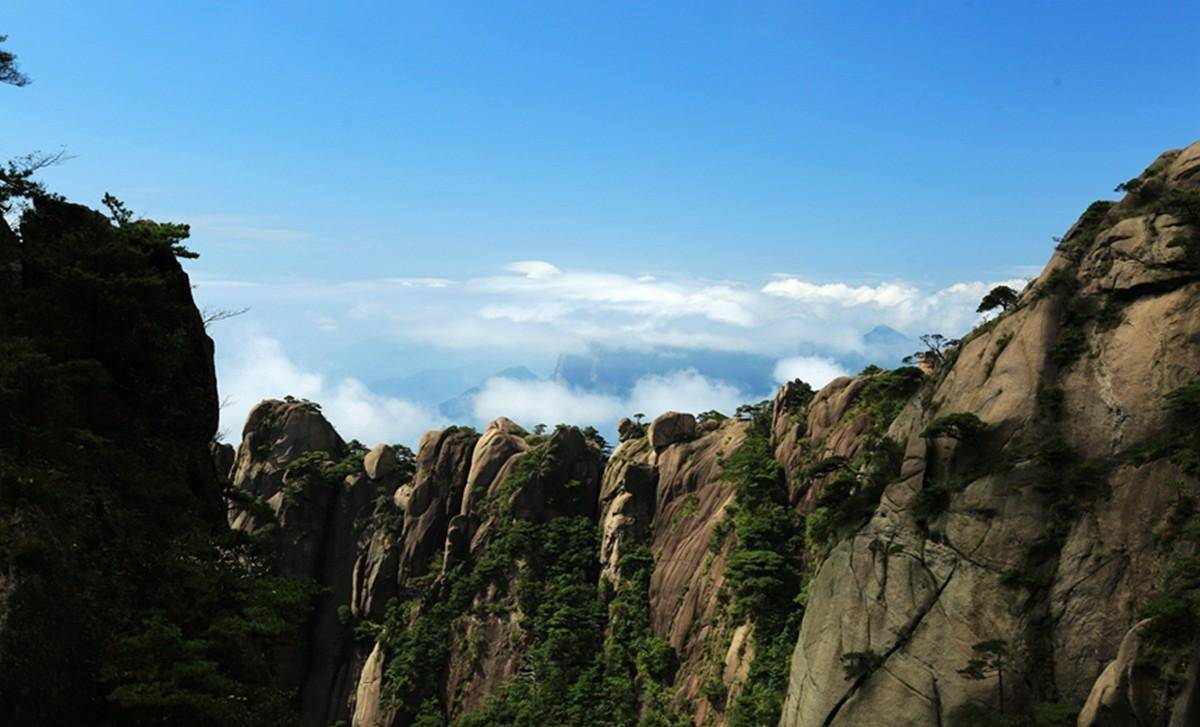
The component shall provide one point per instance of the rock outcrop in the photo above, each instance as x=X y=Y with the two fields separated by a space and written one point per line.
x=1019 y=500
x=108 y=406
x=1036 y=529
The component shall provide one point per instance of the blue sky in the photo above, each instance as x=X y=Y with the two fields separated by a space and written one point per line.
x=322 y=150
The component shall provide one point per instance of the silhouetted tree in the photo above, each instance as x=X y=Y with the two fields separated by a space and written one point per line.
x=9 y=73
x=937 y=347
x=16 y=178
x=1001 y=296
x=988 y=662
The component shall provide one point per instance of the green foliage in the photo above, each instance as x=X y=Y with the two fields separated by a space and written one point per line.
x=764 y=570
x=406 y=462
x=711 y=415
x=1185 y=205
x=764 y=575
x=186 y=661
x=1060 y=281
x=691 y=504
x=1184 y=402
x=989 y=660
x=636 y=665
x=849 y=500
x=1072 y=340
x=9 y=73
x=127 y=598
x=595 y=439
x=931 y=501
x=1001 y=344
x=574 y=674
x=1001 y=296
x=1050 y=401
x=1055 y=714
x=1081 y=238
x=1181 y=439
x=938 y=351
x=963 y=426
x=1067 y=482
x=884 y=395
x=1043 y=714
x=759 y=416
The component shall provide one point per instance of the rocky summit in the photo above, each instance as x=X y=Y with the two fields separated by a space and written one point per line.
x=1005 y=534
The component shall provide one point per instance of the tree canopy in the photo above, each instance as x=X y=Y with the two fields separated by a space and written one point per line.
x=9 y=73
x=1001 y=296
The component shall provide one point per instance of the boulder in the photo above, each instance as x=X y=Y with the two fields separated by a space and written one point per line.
x=380 y=461
x=627 y=429
x=672 y=428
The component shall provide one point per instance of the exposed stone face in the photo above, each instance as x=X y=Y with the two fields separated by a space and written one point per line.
x=380 y=462
x=920 y=594
x=1001 y=556
x=223 y=456
x=671 y=428
x=325 y=531
x=434 y=496
x=804 y=433
x=501 y=440
x=627 y=501
x=276 y=433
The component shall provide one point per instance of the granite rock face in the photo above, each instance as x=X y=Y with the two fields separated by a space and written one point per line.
x=1043 y=529
x=1003 y=495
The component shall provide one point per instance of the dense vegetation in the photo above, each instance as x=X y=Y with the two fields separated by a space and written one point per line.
x=588 y=656
x=765 y=572
x=847 y=501
x=128 y=598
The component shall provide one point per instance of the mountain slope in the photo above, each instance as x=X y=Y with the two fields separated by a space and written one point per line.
x=1055 y=526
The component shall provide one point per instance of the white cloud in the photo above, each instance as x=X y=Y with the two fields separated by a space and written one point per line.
x=260 y=369
x=686 y=391
x=551 y=402
x=815 y=371
x=533 y=309
x=533 y=269
x=544 y=402
x=887 y=294
x=419 y=282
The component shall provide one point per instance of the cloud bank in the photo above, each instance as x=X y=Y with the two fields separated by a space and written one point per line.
x=815 y=371
x=532 y=311
x=551 y=402
x=260 y=369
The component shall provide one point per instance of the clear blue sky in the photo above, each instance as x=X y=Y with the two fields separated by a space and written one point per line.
x=891 y=161
x=435 y=138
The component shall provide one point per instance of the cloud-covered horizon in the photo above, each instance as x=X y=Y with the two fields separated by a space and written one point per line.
x=535 y=305
x=533 y=308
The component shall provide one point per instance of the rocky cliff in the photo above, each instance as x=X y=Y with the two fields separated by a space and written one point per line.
x=1039 y=512
x=1003 y=535
x=123 y=597
x=1006 y=534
